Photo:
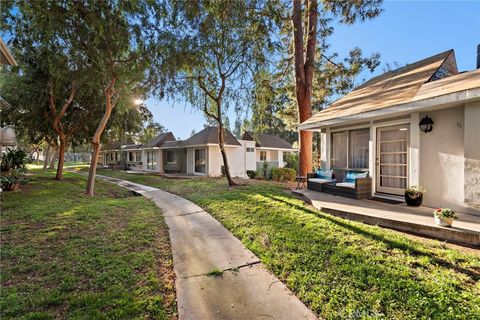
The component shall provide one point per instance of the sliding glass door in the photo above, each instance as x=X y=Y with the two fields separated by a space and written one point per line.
x=200 y=160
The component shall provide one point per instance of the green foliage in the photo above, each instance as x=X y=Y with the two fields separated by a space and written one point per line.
x=340 y=269
x=65 y=255
x=284 y=174
x=415 y=191
x=215 y=273
x=13 y=159
x=291 y=160
x=16 y=176
x=266 y=170
x=445 y=213
x=252 y=174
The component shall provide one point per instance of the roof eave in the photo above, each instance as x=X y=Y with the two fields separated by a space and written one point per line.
x=442 y=101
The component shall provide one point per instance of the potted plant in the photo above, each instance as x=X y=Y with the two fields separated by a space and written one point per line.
x=444 y=217
x=414 y=196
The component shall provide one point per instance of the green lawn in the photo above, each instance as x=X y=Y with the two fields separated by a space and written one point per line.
x=66 y=255
x=339 y=268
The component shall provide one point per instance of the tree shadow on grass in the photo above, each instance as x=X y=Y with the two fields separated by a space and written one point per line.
x=473 y=274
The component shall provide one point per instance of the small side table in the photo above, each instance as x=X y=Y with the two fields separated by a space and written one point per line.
x=301 y=181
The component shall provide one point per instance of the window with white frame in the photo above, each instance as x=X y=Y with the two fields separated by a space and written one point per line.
x=131 y=156
x=350 y=149
x=250 y=149
x=263 y=155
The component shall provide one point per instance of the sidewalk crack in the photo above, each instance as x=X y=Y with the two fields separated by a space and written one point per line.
x=233 y=269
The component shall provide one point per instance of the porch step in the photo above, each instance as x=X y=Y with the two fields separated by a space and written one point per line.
x=419 y=221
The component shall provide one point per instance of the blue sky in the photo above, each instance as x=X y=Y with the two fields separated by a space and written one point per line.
x=405 y=32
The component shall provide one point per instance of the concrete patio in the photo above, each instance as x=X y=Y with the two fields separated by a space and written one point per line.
x=416 y=220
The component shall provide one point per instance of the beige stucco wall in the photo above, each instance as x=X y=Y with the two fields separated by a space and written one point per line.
x=442 y=159
x=236 y=157
x=472 y=155
x=214 y=162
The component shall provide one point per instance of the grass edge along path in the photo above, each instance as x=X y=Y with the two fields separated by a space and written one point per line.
x=67 y=255
x=340 y=269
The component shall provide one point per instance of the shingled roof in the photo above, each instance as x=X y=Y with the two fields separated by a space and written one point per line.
x=267 y=140
x=392 y=88
x=209 y=135
x=159 y=140
x=116 y=145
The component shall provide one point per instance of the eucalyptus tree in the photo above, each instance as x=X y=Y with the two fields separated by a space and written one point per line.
x=114 y=38
x=312 y=25
x=48 y=65
x=221 y=43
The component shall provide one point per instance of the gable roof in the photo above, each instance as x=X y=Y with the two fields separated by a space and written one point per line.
x=209 y=135
x=267 y=140
x=159 y=140
x=116 y=145
x=392 y=88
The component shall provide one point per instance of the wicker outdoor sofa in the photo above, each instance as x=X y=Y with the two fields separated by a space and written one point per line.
x=360 y=188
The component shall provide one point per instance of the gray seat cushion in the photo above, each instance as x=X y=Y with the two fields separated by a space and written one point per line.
x=346 y=184
x=318 y=180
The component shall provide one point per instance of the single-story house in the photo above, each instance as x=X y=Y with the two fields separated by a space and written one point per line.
x=417 y=125
x=197 y=155
x=269 y=148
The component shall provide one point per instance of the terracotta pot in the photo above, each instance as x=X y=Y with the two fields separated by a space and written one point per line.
x=443 y=222
x=413 y=201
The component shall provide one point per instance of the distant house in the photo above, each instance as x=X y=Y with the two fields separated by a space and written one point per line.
x=7 y=138
x=7 y=134
x=417 y=125
x=197 y=155
x=269 y=148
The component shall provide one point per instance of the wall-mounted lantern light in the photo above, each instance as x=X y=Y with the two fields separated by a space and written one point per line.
x=426 y=124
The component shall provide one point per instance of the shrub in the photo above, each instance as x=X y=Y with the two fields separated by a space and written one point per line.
x=13 y=159
x=266 y=172
x=284 y=174
x=8 y=182
x=291 y=160
x=252 y=174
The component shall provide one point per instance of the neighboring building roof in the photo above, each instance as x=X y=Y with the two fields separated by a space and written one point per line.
x=7 y=136
x=267 y=140
x=159 y=140
x=5 y=55
x=209 y=135
x=116 y=145
x=412 y=82
x=132 y=146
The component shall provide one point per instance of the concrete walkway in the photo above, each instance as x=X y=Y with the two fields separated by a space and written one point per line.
x=200 y=245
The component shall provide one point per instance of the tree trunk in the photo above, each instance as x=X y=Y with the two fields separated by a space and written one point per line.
x=221 y=143
x=221 y=135
x=53 y=158
x=57 y=125
x=61 y=156
x=96 y=137
x=304 y=60
x=46 y=158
